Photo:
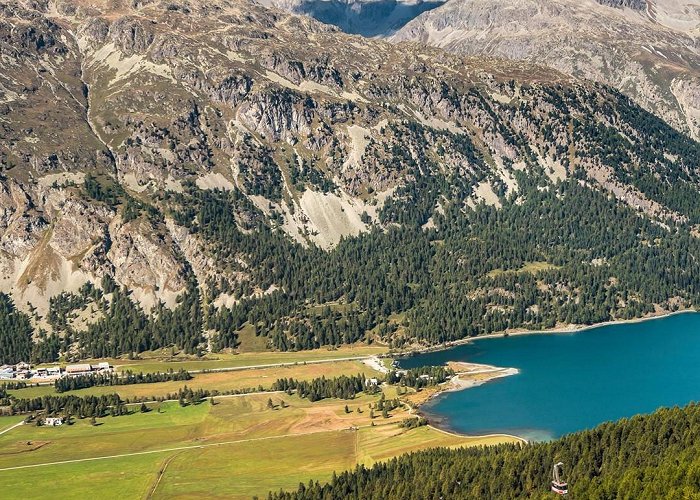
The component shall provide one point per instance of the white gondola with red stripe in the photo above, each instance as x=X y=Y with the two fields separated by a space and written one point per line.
x=558 y=486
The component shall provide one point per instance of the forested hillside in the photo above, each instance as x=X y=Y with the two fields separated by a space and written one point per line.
x=201 y=168
x=651 y=456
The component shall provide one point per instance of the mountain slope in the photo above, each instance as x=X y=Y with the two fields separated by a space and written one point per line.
x=648 y=50
x=240 y=164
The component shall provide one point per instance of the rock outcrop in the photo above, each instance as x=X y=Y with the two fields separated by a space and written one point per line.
x=111 y=115
x=639 y=47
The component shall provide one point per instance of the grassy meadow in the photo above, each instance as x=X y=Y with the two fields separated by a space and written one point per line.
x=236 y=448
x=257 y=355
x=221 y=381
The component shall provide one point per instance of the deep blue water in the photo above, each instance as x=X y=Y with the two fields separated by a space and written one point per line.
x=572 y=381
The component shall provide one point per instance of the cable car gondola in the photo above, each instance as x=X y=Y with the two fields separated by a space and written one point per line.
x=558 y=486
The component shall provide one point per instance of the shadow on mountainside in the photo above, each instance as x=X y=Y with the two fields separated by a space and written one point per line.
x=378 y=18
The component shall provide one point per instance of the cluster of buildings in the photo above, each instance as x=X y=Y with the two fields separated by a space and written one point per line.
x=24 y=371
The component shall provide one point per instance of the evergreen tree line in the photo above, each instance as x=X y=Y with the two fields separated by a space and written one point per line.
x=63 y=305
x=125 y=329
x=187 y=394
x=413 y=423
x=15 y=333
x=648 y=456
x=85 y=406
x=343 y=387
x=14 y=385
x=73 y=383
x=385 y=405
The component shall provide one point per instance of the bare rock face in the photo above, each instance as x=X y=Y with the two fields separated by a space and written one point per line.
x=145 y=259
x=78 y=224
x=687 y=93
x=621 y=4
x=277 y=115
x=637 y=46
x=20 y=227
x=112 y=115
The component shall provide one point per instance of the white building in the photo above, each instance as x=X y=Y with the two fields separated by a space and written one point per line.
x=53 y=421
x=81 y=369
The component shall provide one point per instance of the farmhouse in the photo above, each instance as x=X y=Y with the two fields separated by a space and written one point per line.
x=86 y=369
x=53 y=421
x=81 y=369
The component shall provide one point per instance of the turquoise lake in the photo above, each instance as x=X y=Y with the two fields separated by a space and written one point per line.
x=572 y=381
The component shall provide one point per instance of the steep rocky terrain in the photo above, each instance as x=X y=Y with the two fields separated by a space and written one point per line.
x=224 y=155
x=648 y=49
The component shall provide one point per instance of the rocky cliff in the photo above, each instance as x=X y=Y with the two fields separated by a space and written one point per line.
x=118 y=118
x=647 y=49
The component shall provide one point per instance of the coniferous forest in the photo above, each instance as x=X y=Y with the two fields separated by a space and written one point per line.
x=566 y=255
x=644 y=457
x=550 y=253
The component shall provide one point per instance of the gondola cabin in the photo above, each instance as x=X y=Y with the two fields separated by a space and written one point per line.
x=558 y=486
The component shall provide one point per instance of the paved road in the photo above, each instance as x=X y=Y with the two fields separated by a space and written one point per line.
x=246 y=367
x=277 y=365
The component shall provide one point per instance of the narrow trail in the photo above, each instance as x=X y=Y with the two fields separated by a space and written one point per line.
x=10 y=428
x=161 y=473
x=165 y=450
x=275 y=365
x=252 y=367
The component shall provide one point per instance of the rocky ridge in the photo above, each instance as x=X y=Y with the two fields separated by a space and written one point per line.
x=113 y=109
x=649 y=50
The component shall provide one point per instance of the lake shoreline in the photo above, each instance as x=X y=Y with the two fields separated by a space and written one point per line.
x=445 y=430
x=522 y=331
x=490 y=372
x=467 y=376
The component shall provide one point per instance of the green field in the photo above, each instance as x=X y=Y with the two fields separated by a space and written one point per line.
x=220 y=381
x=234 y=449
x=151 y=362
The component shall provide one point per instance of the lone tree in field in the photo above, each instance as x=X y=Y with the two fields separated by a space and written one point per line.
x=270 y=404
